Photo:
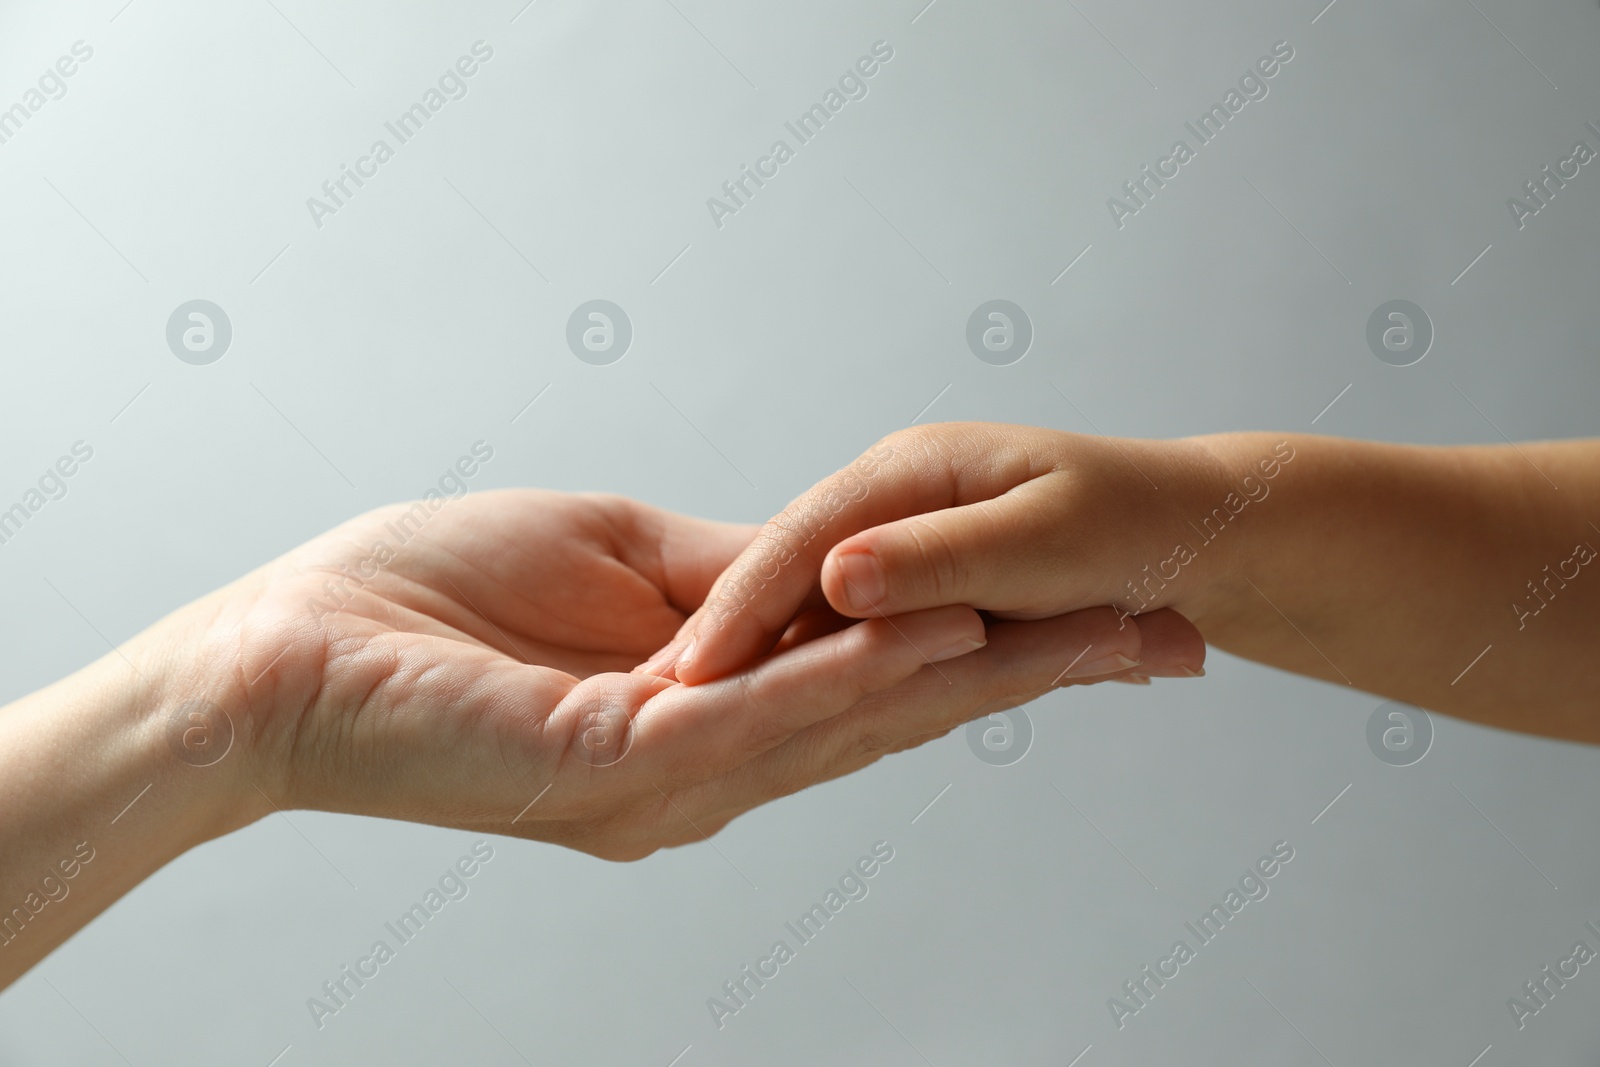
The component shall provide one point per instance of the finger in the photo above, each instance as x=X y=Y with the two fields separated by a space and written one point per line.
x=690 y=552
x=691 y=734
x=812 y=624
x=1166 y=638
x=1009 y=553
x=905 y=474
x=1171 y=646
x=664 y=663
x=1021 y=661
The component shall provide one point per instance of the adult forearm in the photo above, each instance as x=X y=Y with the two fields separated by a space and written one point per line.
x=1459 y=579
x=93 y=799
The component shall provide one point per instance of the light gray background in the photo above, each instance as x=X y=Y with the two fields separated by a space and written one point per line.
x=827 y=313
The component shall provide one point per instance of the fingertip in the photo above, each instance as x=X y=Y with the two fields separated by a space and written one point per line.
x=686 y=659
x=711 y=653
x=859 y=583
x=704 y=659
x=1111 y=645
x=660 y=665
x=939 y=634
x=1172 y=645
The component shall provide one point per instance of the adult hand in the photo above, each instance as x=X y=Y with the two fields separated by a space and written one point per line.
x=463 y=667
x=478 y=672
x=470 y=673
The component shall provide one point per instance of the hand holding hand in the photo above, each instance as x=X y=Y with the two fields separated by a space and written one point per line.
x=469 y=674
x=1020 y=522
x=461 y=664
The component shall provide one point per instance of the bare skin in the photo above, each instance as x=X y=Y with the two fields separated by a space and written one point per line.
x=1459 y=579
x=475 y=675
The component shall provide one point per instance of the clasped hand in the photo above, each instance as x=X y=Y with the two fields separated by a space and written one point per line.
x=476 y=663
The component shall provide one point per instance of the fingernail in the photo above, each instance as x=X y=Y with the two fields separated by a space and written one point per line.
x=1176 y=672
x=686 y=655
x=655 y=663
x=664 y=669
x=863 y=580
x=1131 y=679
x=959 y=648
x=1104 y=665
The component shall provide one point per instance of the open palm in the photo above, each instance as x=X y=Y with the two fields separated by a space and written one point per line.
x=466 y=664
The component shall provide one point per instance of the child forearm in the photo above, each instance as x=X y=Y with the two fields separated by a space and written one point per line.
x=1459 y=579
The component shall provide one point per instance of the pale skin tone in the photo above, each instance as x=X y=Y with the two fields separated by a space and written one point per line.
x=1389 y=568
x=482 y=675
x=483 y=667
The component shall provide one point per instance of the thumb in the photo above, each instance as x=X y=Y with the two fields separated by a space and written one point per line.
x=1005 y=555
x=908 y=473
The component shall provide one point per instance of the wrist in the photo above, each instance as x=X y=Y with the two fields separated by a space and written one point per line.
x=94 y=798
x=1132 y=520
x=1239 y=491
x=187 y=725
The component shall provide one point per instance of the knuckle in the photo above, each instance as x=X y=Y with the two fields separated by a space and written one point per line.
x=912 y=438
x=928 y=443
x=860 y=661
x=935 y=559
x=777 y=544
x=598 y=719
x=868 y=741
x=807 y=518
x=756 y=731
